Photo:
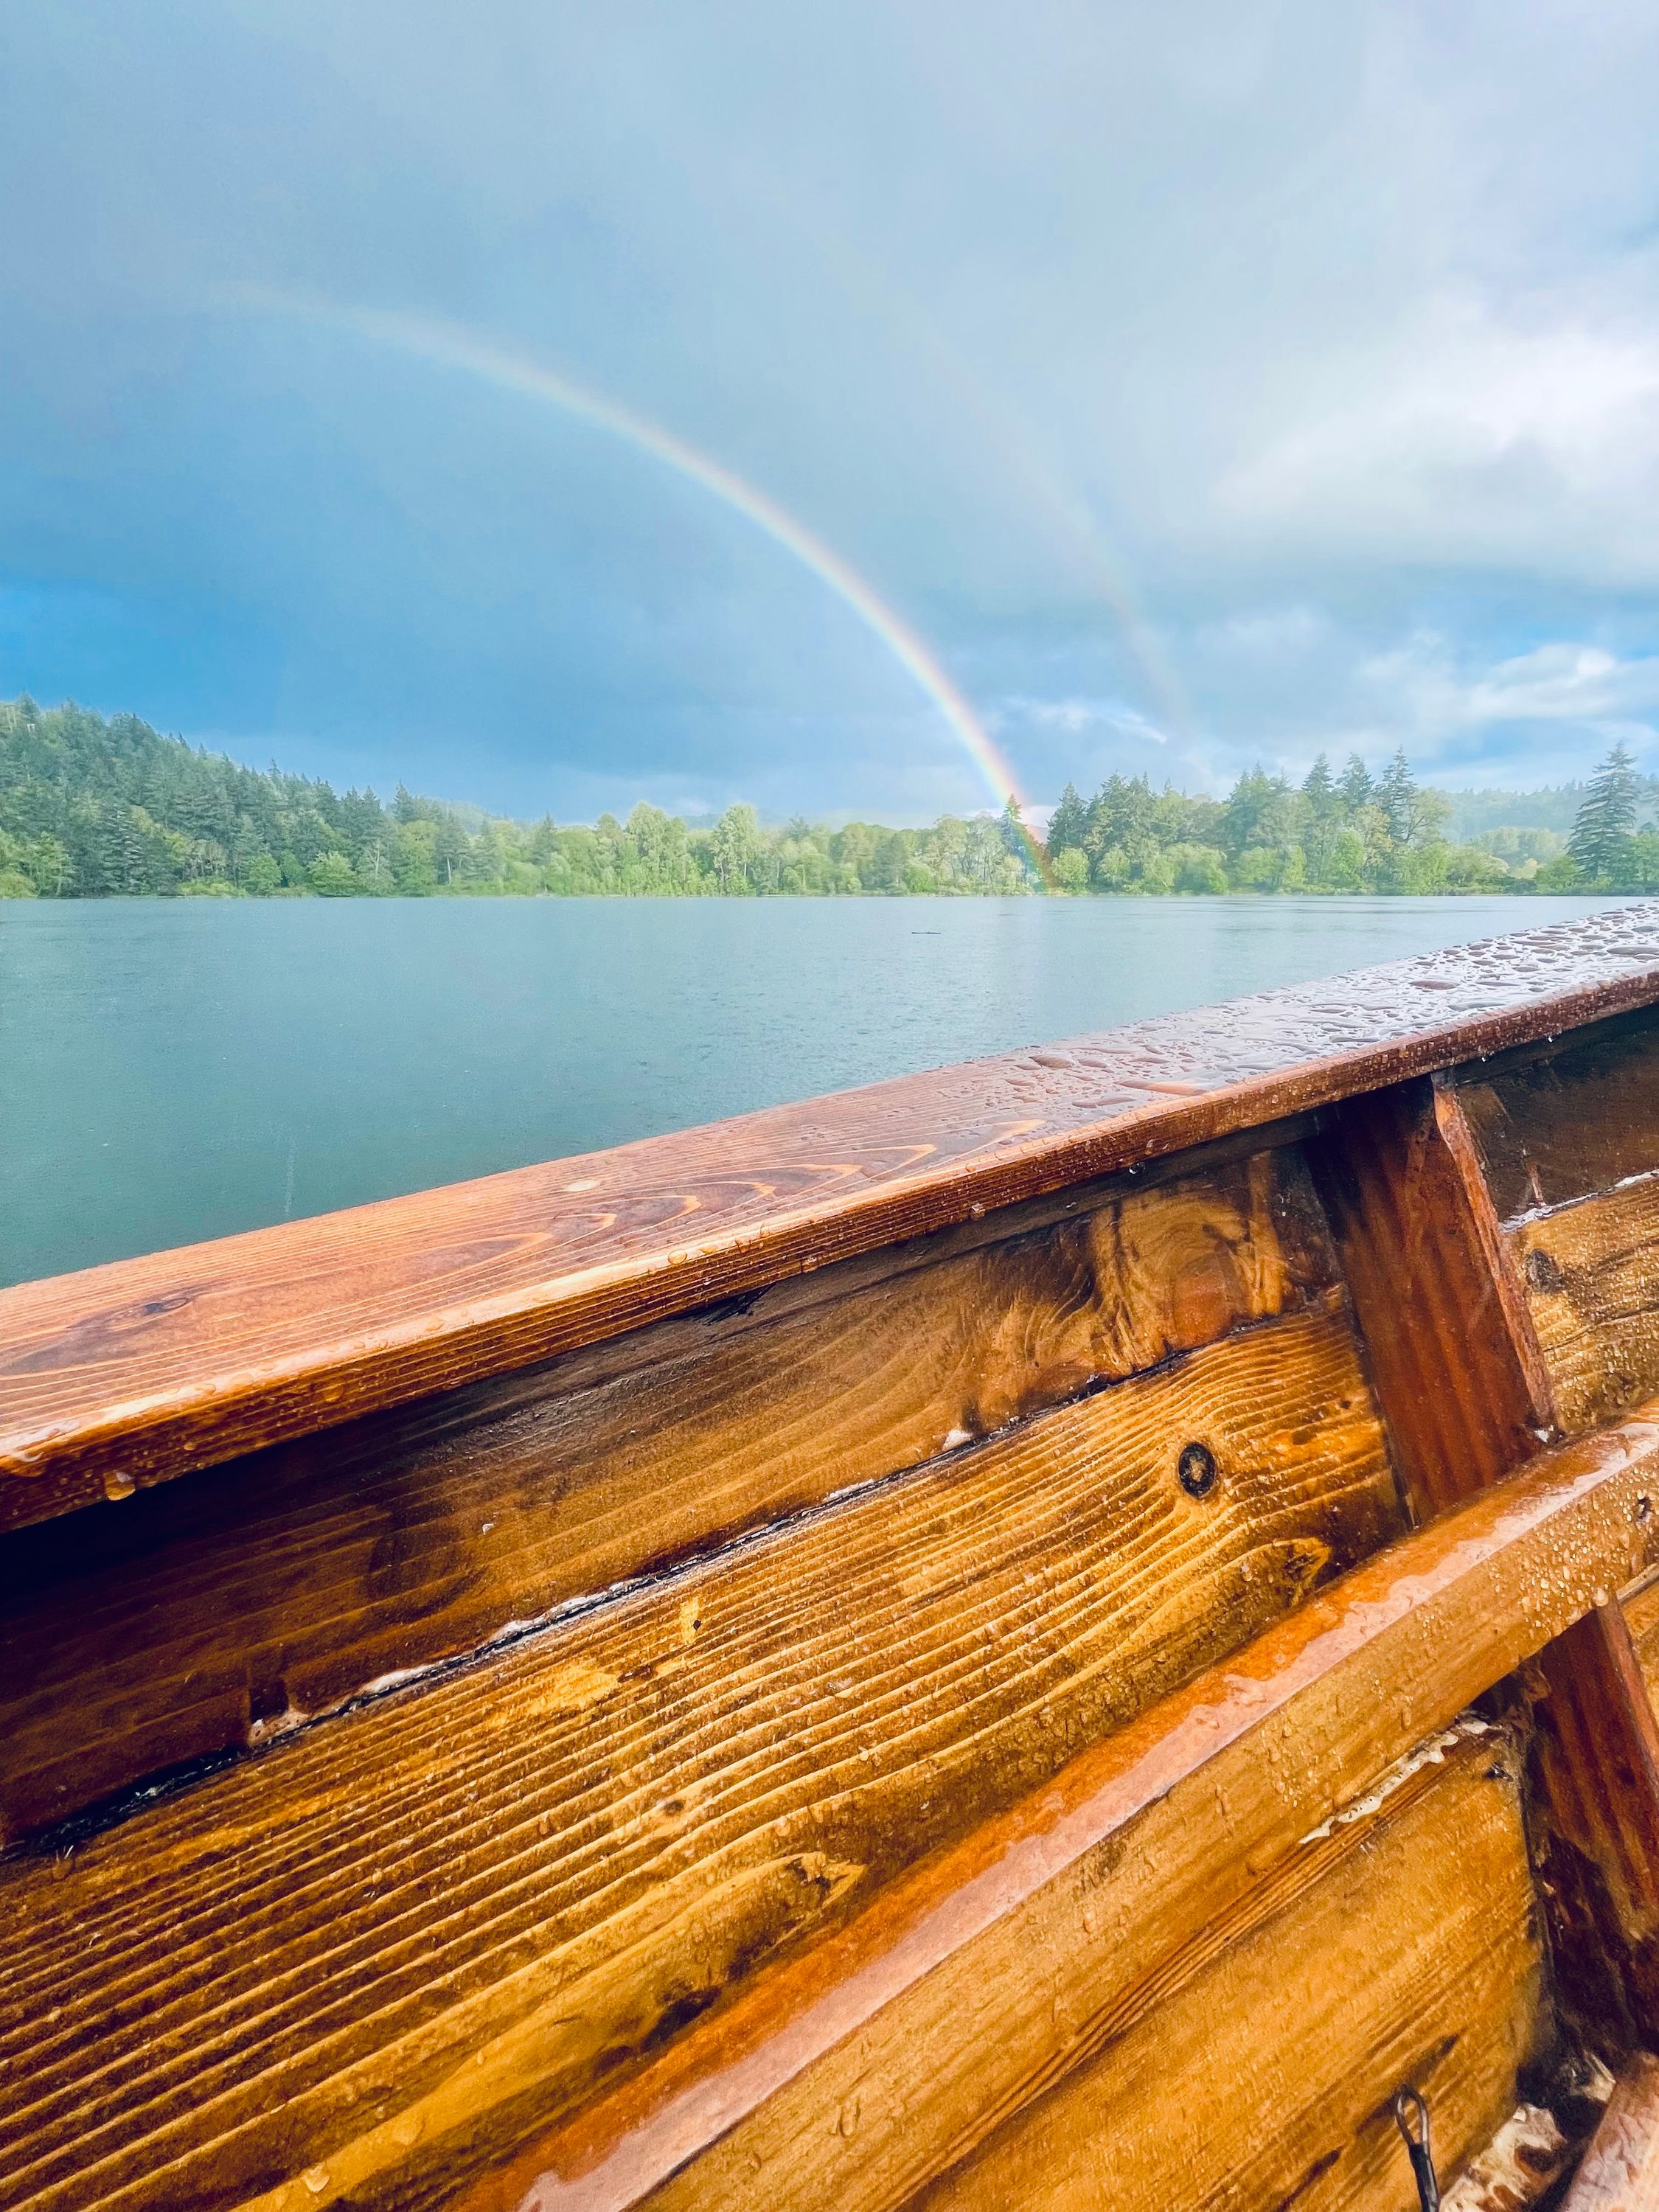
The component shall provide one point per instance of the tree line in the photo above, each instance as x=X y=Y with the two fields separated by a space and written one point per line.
x=93 y=808
x=1351 y=832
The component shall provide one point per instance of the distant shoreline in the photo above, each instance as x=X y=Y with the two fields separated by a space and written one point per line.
x=91 y=808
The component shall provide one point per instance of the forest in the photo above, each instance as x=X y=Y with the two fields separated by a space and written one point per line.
x=91 y=807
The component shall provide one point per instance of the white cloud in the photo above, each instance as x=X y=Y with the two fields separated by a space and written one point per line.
x=1558 y=683
x=1472 y=436
x=1074 y=716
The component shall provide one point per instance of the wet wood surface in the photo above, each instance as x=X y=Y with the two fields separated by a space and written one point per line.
x=1592 y=1275
x=1469 y=1393
x=204 y=1614
x=531 y=1869
x=1567 y=1120
x=1597 y=1826
x=994 y=1969
x=1259 y=2067
x=1459 y=1371
x=1620 y=2169
x=137 y=1372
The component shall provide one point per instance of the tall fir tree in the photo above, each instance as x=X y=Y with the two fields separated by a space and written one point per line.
x=1319 y=789
x=1600 y=843
x=1016 y=838
x=1356 y=787
x=1396 y=794
x=1068 y=824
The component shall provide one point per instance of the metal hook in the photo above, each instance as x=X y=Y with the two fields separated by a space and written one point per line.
x=1411 y=2116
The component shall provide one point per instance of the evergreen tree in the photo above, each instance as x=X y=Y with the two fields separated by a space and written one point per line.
x=1258 y=812
x=1069 y=823
x=1319 y=789
x=1356 y=787
x=1017 y=839
x=1396 y=794
x=1600 y=839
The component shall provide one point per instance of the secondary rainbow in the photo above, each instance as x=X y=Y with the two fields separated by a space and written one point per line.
x=449 y=346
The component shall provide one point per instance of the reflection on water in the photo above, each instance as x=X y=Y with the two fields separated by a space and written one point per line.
x=176 y=1069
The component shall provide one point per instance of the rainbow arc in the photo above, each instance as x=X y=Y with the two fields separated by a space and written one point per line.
x=449 y=345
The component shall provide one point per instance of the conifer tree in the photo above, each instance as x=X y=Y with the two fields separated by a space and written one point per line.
x=1356 y=787
x=1319 y=788
x=1396 y=794
x=1600 y=843
x=1069 y=822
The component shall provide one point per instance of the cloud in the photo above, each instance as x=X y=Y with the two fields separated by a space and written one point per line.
x=1074 y=716
x=1233 y=379
x=1475 y=440
x=1440 y=698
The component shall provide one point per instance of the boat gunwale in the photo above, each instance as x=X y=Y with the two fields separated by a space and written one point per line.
x=149 y=1367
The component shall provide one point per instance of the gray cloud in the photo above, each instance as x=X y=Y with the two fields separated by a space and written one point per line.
x=1262 y=376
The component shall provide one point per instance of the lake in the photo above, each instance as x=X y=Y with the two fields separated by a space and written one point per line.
x=177 y=1069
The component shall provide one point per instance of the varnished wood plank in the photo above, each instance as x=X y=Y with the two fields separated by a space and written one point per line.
x=203 y=1614
x=1469 y=1392
x=535 y=1868
x=148 y=1367
x=1458 y=1373
x=1597 y=1786
x=1620 y=2172
x=1640 y=1608
x=1258 y=2068
x=1563 y=1121
x=983 y=1977
x=1592 y=1275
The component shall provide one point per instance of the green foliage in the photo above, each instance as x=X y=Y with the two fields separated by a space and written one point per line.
x=90 y=808
x=1604 y=833
x=1358 y=833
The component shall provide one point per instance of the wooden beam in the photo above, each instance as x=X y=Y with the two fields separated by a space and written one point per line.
x=996 y=1967
x=1464 y=1388
x=535 y=1870
x=1563 y=1120
x=149 y=1367
x=1467 y=1393
x=1260 y=2066
x=1620 y=2169
x=205 y=1614
x=1591 y=1271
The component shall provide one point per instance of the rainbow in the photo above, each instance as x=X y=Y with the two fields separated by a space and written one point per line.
x=449 y=346
x=877 y=295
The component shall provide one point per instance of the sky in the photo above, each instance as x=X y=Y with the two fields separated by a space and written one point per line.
x=847 y=408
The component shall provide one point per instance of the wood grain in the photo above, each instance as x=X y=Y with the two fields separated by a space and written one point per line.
x=985 y=1975
x=1567 y=1119
x=1460 y=1376
x=1596 y=1823
x=1592 y=1275
x=1468 y=1393
x=204 y=1614
x=556 y=1858
x=1620 y=2172
x=1640 y=1608
x=140 y=1369
x=1257 y=2069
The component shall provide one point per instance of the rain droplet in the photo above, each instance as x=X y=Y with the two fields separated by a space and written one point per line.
x=119 y=1486
x=315 y=2178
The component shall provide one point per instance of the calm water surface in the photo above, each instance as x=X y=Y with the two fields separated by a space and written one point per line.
x=176 y=1069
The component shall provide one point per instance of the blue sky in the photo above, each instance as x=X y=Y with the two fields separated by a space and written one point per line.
x=1203 y=385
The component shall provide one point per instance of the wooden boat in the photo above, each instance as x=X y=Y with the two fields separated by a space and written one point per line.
x=1072 y=1632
